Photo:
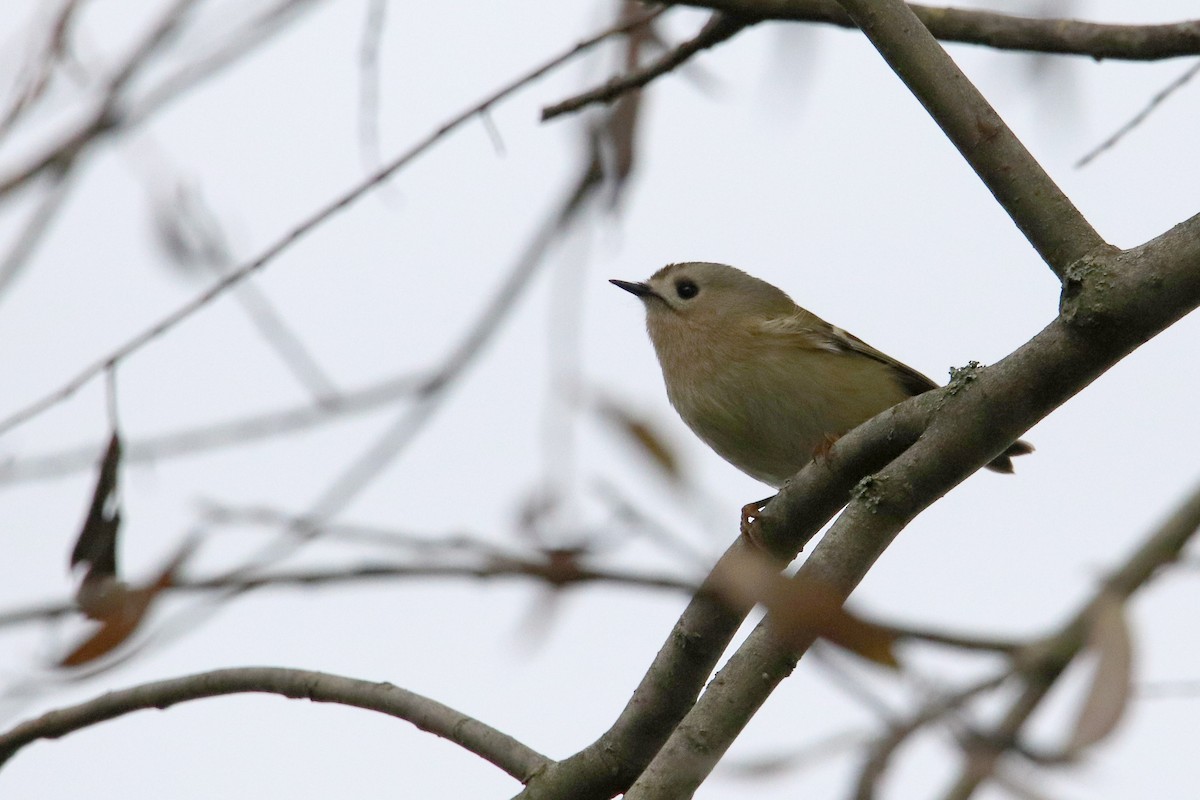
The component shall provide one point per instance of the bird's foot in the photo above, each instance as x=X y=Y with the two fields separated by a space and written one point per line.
x=751 y=528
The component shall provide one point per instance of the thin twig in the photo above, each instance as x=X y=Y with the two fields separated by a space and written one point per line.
x=498 y=748
x=237 y=432
x=35 y=227
x=369 y=83
x=268 y=255
x=881 y=752
x=1162 y=547
x=719 y=28
x=557 y=573
x=1141 y=116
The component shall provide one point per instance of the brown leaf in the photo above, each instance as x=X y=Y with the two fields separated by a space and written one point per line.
x=1112 y=682
x=122 y=613
x=97 y=543
x=643 y=436
x=809 y=608
x=802 y=610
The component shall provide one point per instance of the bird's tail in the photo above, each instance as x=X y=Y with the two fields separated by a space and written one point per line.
x=1003 y=462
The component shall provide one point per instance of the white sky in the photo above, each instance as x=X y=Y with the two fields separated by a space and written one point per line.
x=792 y=152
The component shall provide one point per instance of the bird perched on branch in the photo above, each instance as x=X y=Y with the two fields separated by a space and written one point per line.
x=765 y=383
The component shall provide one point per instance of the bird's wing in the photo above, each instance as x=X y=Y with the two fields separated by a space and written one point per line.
x=810 y=331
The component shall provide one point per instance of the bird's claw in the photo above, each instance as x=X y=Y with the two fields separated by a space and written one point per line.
x=751 y=527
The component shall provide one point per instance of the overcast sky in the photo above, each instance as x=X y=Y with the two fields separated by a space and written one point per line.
x=792 y=152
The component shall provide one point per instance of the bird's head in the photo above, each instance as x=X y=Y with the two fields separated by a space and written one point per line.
x=699 y=296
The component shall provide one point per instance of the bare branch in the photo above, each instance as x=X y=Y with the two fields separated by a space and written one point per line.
x=229 y=433
x=1139 y=117
x=687 y=658
x=998 y=31
x=1109 y=308
x=35 y=227
x=960 y=641
x=303 y=228
x=553 y=572
x=505 y=752
x=885 y=747
x=107 y=116
x=1162 y=547
x=1039 y=208
x=718 y=28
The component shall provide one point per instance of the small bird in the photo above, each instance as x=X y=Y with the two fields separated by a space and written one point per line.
x=761 y=381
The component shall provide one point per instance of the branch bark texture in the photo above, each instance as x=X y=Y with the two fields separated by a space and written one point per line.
x=429 y=715
x=999 y=31
x=1111 y=304
x=1039 y=208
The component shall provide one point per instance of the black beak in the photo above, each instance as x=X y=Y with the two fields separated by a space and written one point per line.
x=639 y=289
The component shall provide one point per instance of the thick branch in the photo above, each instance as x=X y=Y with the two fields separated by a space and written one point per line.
x=429 y=715
x=711 y=620
x=966 y=26
x=1110 y=306
x=1044 y=214
x=999 y=31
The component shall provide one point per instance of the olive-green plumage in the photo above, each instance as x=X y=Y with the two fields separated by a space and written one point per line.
x=763 y=382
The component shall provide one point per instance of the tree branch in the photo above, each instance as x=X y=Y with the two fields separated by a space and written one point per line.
x=1039 y=208
x=686 y=660
x=298 y=232
x=1162 y=547
x=507 y=753
x=1110 y=305
x=719 y=28
x=998 y=31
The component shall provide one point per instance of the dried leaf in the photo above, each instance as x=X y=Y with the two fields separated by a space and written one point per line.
x=808 y=608
x=1112 y=683
x=643 y=436
x=97 y=543
x=803 y=610
x=123 y=612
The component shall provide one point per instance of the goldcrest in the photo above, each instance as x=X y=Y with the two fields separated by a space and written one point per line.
x=764 y=383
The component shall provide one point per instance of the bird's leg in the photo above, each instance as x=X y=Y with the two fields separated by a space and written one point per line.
x=751 y=529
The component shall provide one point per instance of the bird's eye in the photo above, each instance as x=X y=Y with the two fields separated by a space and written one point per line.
x=686 y=289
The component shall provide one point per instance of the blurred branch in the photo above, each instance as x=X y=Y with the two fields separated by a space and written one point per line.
x=995 y=30
x=1139 y=117
x=428 y=715
x=106 y=117
x=192 y=236
x=1055 y=653
x=956 y=640
x=369 y=82
x=299 y=231
x=39 y=221
x=717 y=29
x=229 y=433
x=881 y=751
x=557 y=570
x=231 y=47
x=40 y=69
x=811 y=754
